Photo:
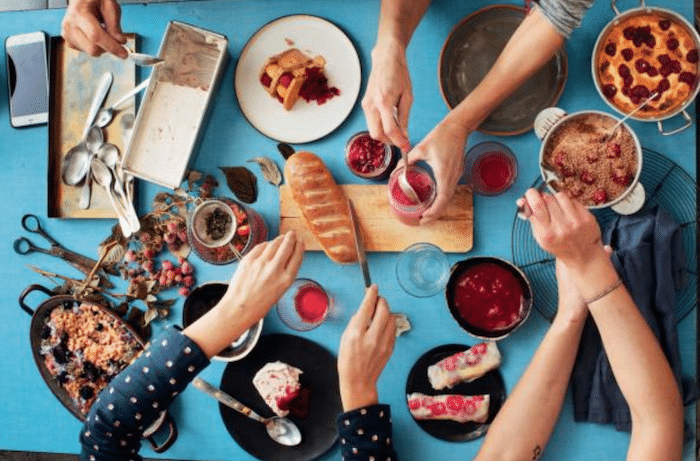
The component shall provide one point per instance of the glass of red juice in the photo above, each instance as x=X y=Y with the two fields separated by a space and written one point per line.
x=492 y=168
x=305 y=305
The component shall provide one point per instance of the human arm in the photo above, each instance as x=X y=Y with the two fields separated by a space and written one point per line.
x=537 y=398
x=365 y=347
x=389 y=84
x=533 y=43
x=137 y=395
x=93 y=26
x=565 y=228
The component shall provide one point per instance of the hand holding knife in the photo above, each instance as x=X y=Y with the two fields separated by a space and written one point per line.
x=359 y=245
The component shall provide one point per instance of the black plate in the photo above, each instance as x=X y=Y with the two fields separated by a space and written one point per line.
x=452 y=431
x=318 y=429
x=469 y=53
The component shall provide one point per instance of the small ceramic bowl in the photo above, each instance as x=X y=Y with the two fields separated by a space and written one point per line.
x=200 y=301
x=479 y=281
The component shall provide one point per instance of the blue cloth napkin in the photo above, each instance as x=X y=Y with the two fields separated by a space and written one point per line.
x=649 y=256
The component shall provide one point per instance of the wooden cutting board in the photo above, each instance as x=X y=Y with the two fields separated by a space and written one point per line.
x=382 y=231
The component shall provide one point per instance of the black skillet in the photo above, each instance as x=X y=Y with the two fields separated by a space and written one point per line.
x=39 y=316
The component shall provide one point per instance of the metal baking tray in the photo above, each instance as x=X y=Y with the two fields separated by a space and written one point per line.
x=74 y=78
x=170 y=121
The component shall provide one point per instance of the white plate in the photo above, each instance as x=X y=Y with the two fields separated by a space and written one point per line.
x=305 y=122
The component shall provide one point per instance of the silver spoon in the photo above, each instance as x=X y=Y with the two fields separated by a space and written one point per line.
x=644 y=103
x=126 y=125
x=281 y=430
x=103 y=177
x=405 y=186
x=524 y=211
x=109 y=154
x=93 y=141
x=70 y=171
x=141 y=59
x=76 y=163
x=104 y=116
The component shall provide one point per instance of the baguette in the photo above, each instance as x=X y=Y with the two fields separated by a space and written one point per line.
x=323 y=205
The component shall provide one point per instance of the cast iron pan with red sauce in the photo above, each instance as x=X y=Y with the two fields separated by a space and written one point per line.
x=452 y=431
x=460 y=268
x=318 y=429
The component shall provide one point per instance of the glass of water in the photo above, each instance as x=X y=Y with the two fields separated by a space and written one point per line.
x=422 y=270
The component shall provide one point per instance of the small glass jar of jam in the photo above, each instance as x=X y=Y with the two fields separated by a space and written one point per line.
x=369 y=158
x=406 y=210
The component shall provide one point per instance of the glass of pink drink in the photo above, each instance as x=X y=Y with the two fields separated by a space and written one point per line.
x=406 y=210
x=305 y=305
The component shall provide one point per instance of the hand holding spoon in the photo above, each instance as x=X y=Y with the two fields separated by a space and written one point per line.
x=140 y=59
x=281 y=430
x=405 y=186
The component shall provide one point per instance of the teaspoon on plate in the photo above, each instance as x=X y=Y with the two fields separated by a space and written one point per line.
x=281 y=430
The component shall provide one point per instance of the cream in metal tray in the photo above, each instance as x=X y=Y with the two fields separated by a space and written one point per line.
x=172 y=115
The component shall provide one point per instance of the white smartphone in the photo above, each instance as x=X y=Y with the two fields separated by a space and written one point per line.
x=27 y=78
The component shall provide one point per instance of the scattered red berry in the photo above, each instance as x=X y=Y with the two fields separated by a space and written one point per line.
x=687 y=77
x=672 y=43
x=600 y=196
x=609 y=91
x=612 y=150
x=665 y=24
x=610 y=49
x=587 y=177
x=628 y=54
x=692 y=56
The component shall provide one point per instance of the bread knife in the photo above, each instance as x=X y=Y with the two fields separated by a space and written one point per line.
x=359 y=245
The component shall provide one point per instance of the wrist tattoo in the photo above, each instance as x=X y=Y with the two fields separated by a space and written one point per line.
x=536 y=453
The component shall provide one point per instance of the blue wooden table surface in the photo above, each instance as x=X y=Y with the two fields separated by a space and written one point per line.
x=32 y=419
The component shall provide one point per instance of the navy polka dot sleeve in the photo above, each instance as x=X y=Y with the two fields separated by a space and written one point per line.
x=365 y=434
x=136 y=397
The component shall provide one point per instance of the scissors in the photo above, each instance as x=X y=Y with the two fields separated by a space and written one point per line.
x=24 y=246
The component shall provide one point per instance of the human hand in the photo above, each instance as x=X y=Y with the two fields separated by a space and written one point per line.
x=443 y=150
x=263 y=275
x=388 y=98
x=564 y=227
x=93 y=26
x=365 y=348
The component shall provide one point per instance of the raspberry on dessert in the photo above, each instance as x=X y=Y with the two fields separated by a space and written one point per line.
x=600 y=196
x=650 y=40
x=609 y=91
x=652 y=71
x=265 y=80
x=665 y=24
x=641 y=65
x=286 y=79
x=629 y=32
x=692 y=56
x=610 y=49
x=567 y=172
x=664 y=59
x=672 y=43
x=628 y=54
x=687 y=77
x=559 y=158
x=665 y=71
x=676 y=67
x=592 y=157
x=612 y=150
x=587 y=177
x=623 y=70
x=621 y=176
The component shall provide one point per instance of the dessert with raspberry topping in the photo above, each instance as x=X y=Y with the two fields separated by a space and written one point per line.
x=643 y=53
x=278 y=384
x=460 y=408
x=591 y=170
x=464 y=366
x=292 y=74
